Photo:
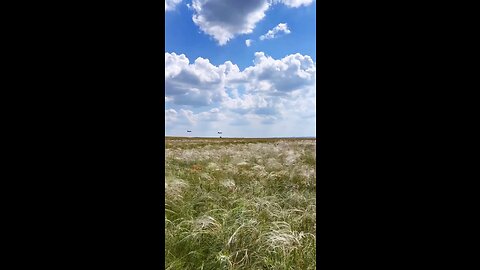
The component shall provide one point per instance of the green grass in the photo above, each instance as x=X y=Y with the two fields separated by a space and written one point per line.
x=240 y=203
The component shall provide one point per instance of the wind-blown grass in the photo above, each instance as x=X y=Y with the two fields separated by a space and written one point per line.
x=240 y=204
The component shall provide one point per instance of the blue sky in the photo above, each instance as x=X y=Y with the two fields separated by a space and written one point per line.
x=217 y=80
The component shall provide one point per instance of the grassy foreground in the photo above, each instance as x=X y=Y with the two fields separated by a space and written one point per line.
x=240 y=203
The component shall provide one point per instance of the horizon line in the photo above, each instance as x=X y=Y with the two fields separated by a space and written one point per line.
x=277 y=137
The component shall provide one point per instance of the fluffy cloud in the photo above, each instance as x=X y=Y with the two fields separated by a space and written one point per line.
x=281 y=27
x=269 y=91
x=170 y=4
x=202 y=83
x=248 y=42
x=199 y=83
x=279 y=76
x=224 y=19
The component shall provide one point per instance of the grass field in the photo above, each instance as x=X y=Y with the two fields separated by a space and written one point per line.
x=240 y=203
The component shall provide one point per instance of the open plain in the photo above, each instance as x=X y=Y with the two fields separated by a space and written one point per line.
x=240 y=203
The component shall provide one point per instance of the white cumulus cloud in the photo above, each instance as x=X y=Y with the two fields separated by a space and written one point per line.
x=269 y=91
x=281 y=27
x=277 y=76
x=224 y=19
x=248 y=42
x=199 y=83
